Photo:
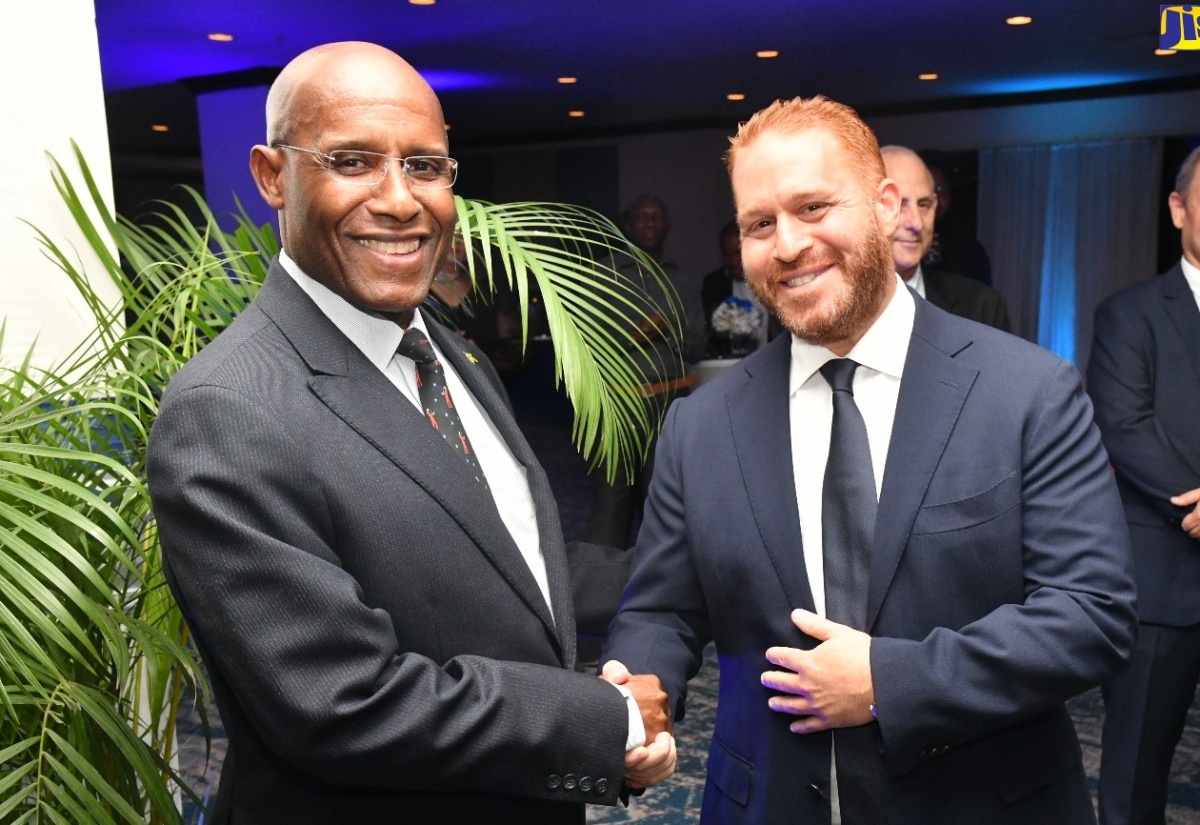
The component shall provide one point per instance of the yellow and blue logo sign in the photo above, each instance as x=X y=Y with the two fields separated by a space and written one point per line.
x=1179 y=27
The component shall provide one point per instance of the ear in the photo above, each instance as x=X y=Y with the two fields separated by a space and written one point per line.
x=1178 y=209
x=266 y=166
x=887 y=207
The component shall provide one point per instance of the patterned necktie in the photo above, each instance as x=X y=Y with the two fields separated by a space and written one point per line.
x=436 y=402
x=848 y=505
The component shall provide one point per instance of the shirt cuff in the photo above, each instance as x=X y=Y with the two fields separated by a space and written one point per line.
x=637 y=731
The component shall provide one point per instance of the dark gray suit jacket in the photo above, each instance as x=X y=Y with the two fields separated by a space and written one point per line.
x=966 y=298
x=1144 y=375
x=378 y=647
x=1000 y=583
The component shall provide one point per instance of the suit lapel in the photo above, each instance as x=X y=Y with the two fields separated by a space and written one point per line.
x=933 y=389
x=358 y=393
x=1184 y=314
x=758 y=412
x=466 y=361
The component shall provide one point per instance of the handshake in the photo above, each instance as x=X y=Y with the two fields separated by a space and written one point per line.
x=654 y=761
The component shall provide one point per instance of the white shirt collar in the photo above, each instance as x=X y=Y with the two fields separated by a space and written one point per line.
x=917 y=281
x=883 y=347
x=1192 y=275
x=376 y=337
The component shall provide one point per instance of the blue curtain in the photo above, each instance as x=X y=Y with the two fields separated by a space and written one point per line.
x=1066 y=226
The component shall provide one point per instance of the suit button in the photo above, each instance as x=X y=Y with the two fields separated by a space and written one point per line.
x=601 y=785
x=816 y=791
x=570 y=781
x=553 y=781
x=585 y=784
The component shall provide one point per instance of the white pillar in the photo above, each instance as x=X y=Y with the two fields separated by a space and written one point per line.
x=52 y=93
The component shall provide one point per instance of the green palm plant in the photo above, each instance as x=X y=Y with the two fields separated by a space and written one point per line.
x=94 y=661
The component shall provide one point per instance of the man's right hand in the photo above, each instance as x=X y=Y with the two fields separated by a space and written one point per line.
x=1191 y=522
x=648 y=693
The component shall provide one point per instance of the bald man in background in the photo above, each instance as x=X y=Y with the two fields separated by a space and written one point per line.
x=950 y=291
x=385 y=614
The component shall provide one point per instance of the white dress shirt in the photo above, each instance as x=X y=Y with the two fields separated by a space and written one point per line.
x=377 y=338
x=880 y=354
x=1192 y=275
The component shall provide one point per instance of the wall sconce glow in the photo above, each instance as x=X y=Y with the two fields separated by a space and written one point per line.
x=221 y=37
x=735 y=96
x=1164 y=52
x=1019 y=20
x=442 y=81
x=568 y=80
x=765 y=53
x=928 y=76
x=575 y=113
x=160 y=127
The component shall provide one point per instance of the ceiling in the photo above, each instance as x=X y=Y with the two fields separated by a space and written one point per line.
x=642 y=65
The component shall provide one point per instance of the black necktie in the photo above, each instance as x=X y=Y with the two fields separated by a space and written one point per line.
x=435 y=398
x=848 y=505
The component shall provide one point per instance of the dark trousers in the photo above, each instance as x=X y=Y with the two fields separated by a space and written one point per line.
x=1146 y=709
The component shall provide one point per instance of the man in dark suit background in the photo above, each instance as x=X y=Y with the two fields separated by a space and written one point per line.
x=990 y=580
x=386 y=624
x=957 y=294
x=1144 y=376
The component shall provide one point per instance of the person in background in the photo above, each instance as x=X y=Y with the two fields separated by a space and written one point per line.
x=898 y=526
x=725 y=281
x=363 y=544
x=1144 y=377
x=954 y=246
x=914 y=235
x=669 y=336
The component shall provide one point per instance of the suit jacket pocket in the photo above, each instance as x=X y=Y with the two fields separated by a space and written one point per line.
x=732 y=774
x=963 y=513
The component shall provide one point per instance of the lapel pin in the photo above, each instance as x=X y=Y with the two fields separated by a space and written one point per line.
x=471 y=358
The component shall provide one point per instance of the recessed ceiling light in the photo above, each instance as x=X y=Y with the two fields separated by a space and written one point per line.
x=576 y=113
x=1019 y=20
x=735 y=96
x=568 y=80
x=160 y=127
x=1164 y=52
x=220 y=37
x=767 y=53
x=928 y=76
x=422 y=2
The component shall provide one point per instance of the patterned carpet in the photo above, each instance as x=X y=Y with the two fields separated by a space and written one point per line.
x=545 y=417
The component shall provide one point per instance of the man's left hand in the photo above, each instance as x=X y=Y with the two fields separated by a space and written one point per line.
x=827 y=687
x=1191 y=522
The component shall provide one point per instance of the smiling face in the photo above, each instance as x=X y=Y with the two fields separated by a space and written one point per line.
x=380 y=246
x=918 y=207
x=815 y=236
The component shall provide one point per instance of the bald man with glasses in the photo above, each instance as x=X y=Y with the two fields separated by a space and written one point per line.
x=363 y=543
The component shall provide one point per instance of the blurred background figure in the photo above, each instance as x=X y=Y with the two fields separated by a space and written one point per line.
x=954 y=246
x=914 y=237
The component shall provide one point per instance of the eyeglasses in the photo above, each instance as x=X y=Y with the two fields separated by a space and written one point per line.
x=360 y=168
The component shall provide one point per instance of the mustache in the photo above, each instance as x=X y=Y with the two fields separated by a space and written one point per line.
x=810 y=262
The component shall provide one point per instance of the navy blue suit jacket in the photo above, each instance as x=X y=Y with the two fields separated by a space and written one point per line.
x=1144 y=376
x=1000 y=582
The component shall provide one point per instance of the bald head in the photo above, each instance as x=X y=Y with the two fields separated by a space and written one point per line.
x=377 y=241
x=330 y=75
x=918 y=207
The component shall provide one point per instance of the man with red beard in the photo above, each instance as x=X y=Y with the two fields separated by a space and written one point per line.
x=918 y=555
